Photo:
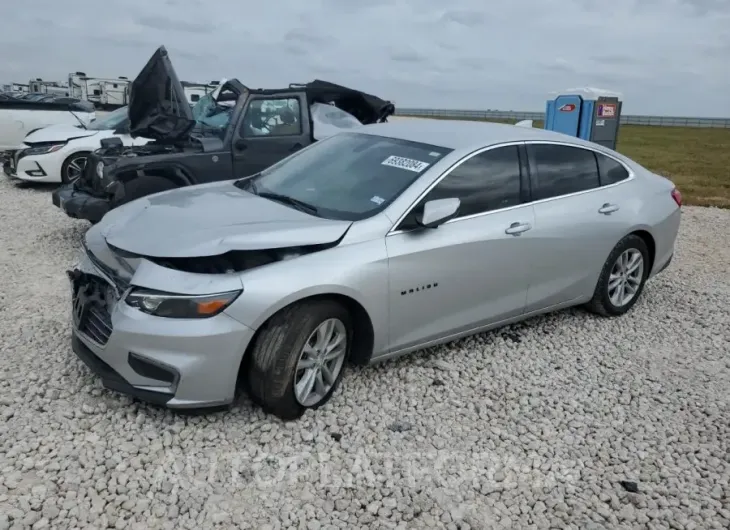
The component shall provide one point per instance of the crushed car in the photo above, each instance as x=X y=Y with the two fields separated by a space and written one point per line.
x=231 y=133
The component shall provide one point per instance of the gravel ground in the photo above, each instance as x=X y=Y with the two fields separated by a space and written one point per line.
x=566 y=421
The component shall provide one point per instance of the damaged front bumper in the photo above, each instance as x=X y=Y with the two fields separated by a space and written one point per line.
x=7 y=159
x=80 y=204
x=183 y=364
x=8 y=169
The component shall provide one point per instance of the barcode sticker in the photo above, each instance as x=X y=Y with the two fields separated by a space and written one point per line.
x=408 y=164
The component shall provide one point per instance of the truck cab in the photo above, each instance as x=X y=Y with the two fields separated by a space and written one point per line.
x=229 y=133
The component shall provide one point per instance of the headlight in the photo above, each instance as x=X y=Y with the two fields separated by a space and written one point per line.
x=180 y=305
x=100 y=170
x=44 y=150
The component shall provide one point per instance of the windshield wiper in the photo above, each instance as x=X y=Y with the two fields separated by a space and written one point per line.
x=247 y=183
x=300 y=205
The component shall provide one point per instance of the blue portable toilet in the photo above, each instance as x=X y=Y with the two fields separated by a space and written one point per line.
x=586 y=113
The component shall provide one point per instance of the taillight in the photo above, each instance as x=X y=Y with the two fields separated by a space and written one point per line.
x=677 y=196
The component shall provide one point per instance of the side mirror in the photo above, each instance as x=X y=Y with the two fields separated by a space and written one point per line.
x=437 y=212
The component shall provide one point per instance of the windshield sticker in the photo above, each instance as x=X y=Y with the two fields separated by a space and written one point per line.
x=377 y=200
x=405 y=163
x=434 y=153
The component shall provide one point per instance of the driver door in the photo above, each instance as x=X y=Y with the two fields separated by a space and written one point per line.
x=272 y=127
x=471 y=271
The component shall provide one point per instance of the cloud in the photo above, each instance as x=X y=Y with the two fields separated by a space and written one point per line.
x=470 y=19
x=302 y=36
x=169 y=24
x=665 y=56
x=407 y=56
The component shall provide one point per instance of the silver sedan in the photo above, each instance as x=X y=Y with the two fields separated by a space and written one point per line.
x=361 y=247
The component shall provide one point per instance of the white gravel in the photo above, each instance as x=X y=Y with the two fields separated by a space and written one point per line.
x=530 y=427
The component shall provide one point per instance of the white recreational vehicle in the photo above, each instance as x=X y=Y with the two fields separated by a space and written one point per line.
x=16 y=88
x=195 y=91
x=38 y=86
x=102 y=92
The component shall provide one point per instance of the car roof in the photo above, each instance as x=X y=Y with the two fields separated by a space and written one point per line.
x=464 y=135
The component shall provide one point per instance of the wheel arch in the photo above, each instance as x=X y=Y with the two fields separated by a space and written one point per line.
x=363 y=339
x=648 y=238
x=71 y=153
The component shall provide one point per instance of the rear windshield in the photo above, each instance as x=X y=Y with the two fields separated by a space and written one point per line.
x=350 y=176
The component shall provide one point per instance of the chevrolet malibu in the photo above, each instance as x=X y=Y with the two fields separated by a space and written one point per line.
x=359 y=248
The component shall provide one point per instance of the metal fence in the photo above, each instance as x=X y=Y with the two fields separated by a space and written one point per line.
x=660 y=121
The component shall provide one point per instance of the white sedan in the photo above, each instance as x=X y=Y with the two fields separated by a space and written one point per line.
x=59 y=153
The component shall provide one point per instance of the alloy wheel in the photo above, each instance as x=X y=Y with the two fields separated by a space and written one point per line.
x=626 y=277
x=320 y=362
x=75 y=168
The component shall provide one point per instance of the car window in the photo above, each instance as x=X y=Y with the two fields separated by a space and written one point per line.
x=562 y=169
x=212 y=118
x=272 y=117
x=485 y=182
x=349 y=176
x=611 y=171
x=110 y=121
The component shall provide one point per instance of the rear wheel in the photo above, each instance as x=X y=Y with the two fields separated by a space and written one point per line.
x=299 y=357
x=622 y=278
x=73 y=167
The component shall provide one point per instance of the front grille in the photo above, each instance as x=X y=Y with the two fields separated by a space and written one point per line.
x=92 y=299
x=120 y=283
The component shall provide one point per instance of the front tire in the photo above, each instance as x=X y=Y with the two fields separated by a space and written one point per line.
x=298 y=358
x=622 y=278
x=74 y=166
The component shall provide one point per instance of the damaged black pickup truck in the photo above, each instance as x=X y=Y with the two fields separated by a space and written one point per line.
x=231 y=133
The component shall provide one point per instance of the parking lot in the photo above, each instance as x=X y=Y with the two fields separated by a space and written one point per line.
x=566 y=421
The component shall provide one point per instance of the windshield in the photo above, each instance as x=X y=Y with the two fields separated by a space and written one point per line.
x=110 y=121
x=212 y=117
x=348 y=176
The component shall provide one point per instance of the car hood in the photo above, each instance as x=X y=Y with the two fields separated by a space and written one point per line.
x=210 y=220
x=158 y=108
x=58 y=133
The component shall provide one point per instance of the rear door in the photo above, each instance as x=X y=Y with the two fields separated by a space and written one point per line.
x=272 y=127
x=580 y=215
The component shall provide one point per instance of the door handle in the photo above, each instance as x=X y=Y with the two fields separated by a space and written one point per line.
x=516 y=229
x=608 y=208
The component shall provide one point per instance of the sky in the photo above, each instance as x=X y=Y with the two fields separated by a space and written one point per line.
x=665 y=57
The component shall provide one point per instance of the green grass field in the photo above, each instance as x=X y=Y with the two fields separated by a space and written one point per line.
x=697 y=160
